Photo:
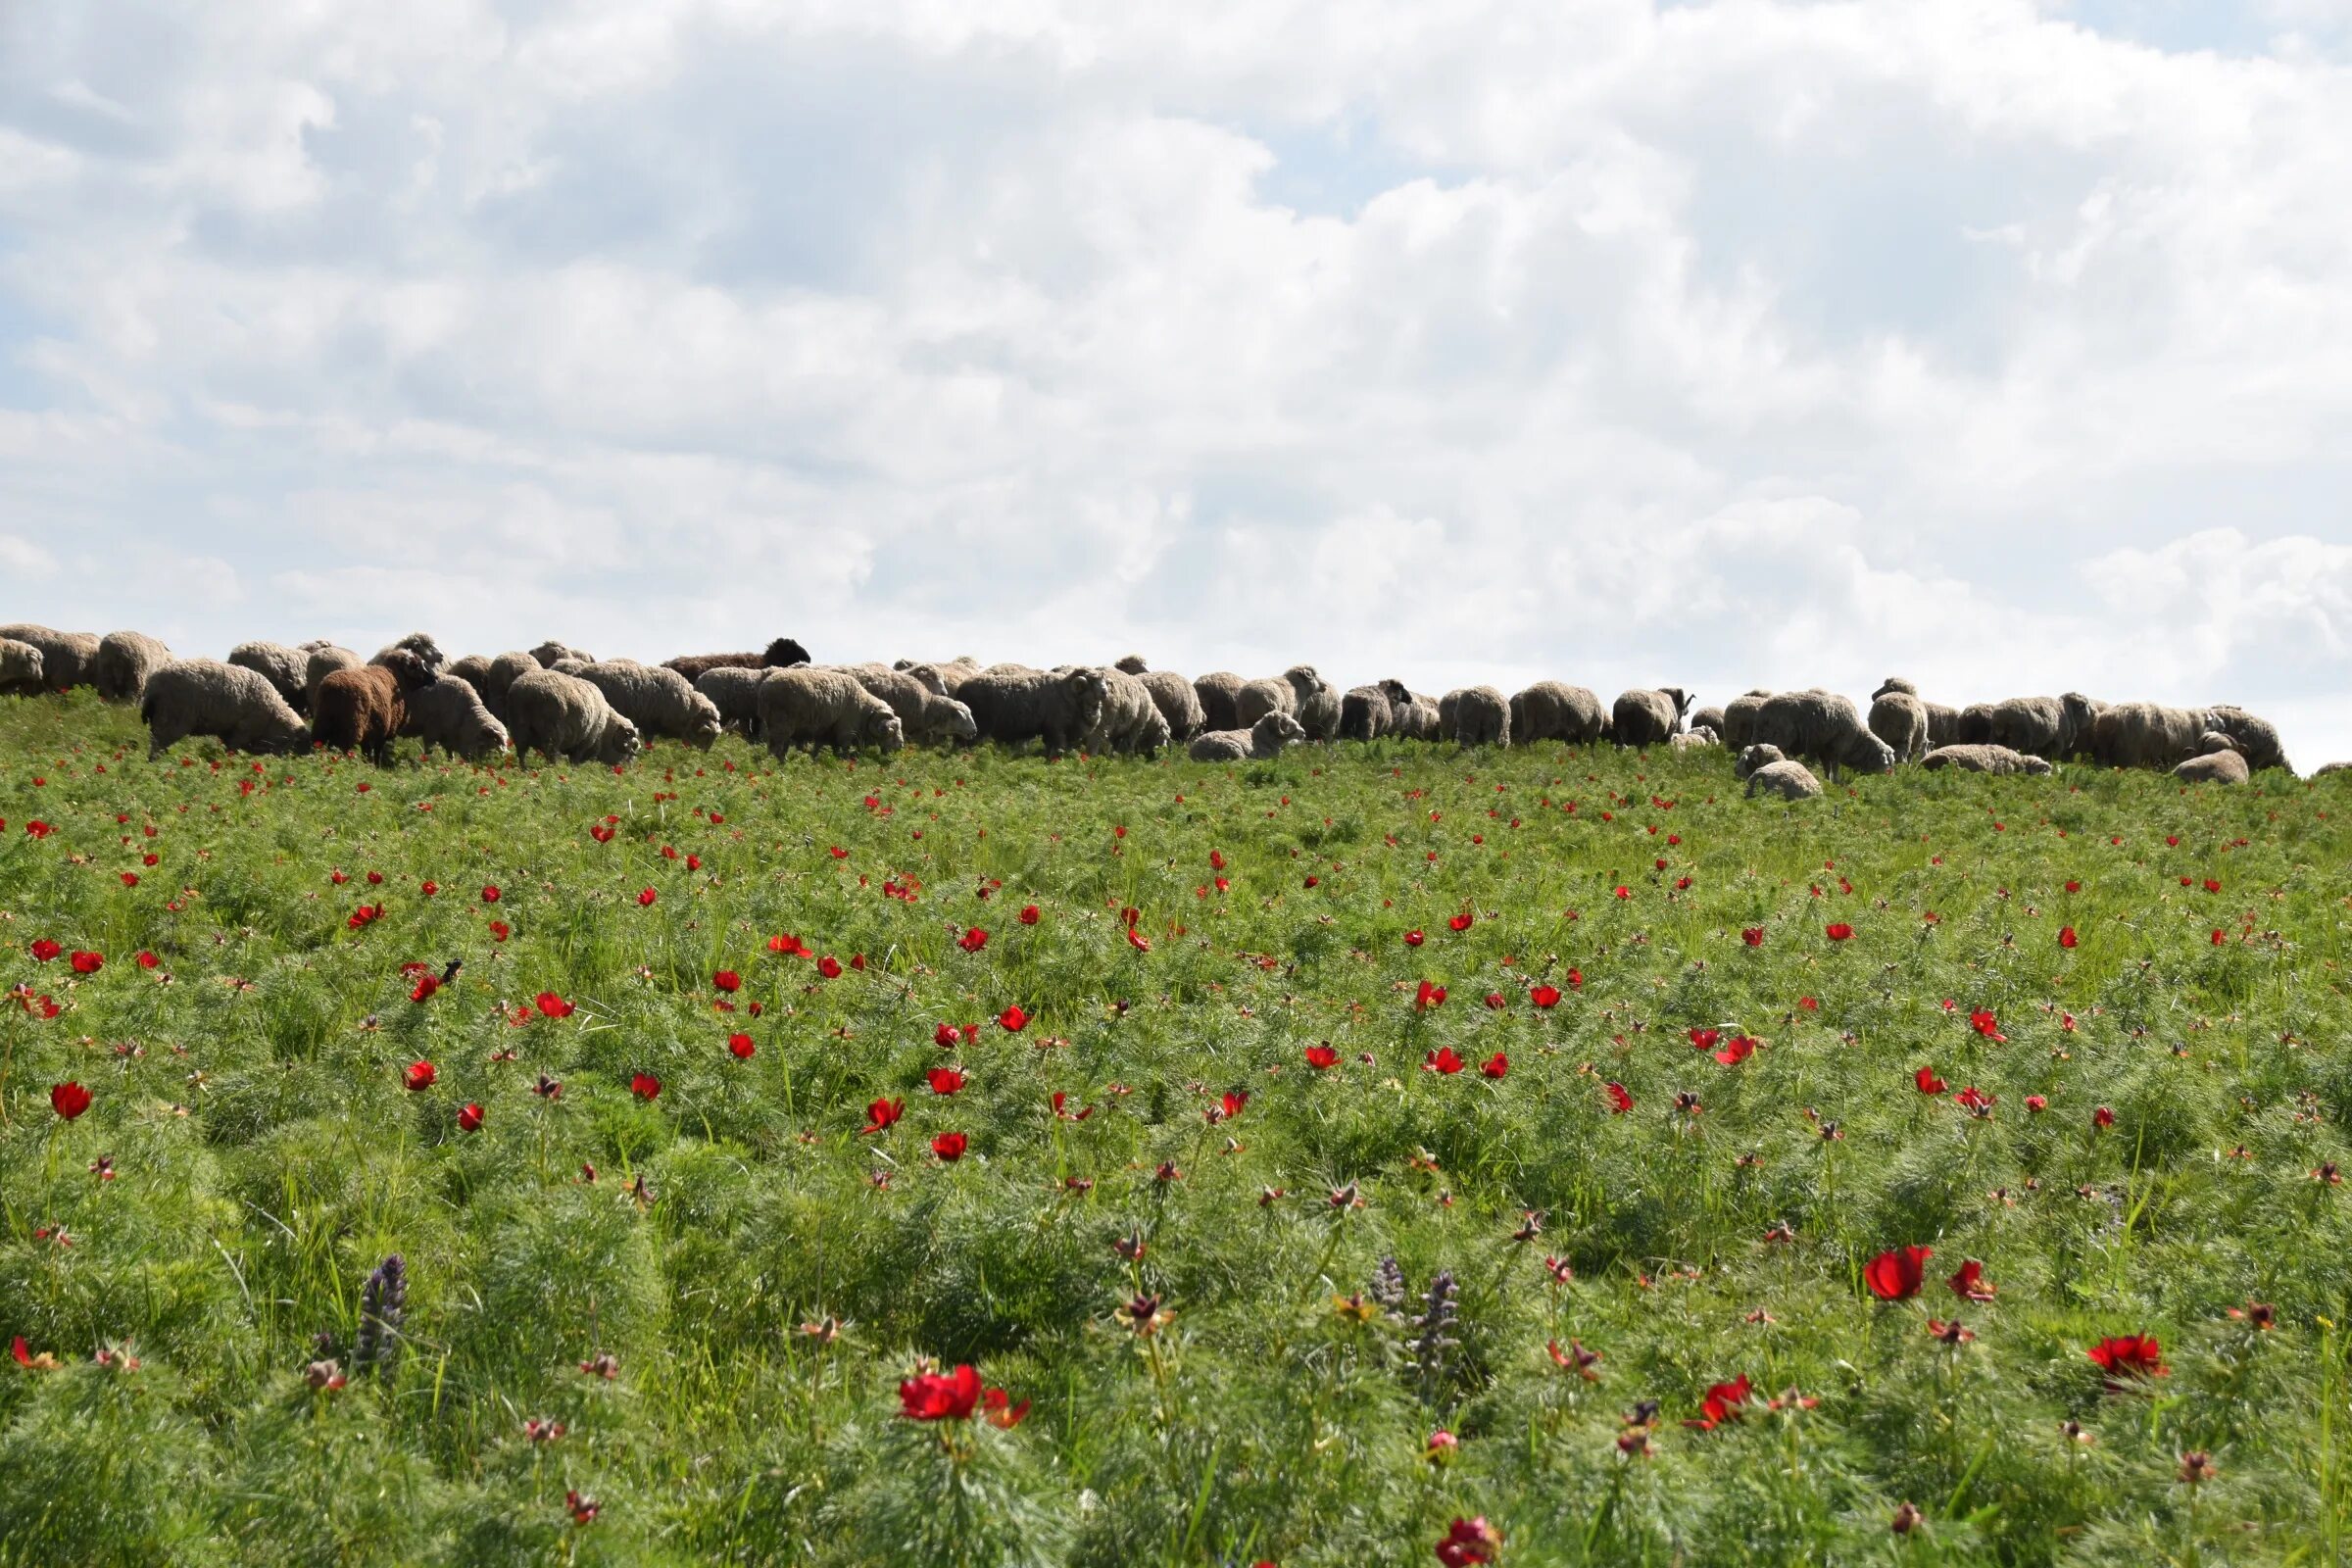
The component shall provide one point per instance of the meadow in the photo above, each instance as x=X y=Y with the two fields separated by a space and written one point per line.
x=1383 y=1155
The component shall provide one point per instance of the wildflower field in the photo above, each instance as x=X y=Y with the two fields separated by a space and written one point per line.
x=1380 y=1156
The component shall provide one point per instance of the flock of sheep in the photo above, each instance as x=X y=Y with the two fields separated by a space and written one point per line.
x=567 y=706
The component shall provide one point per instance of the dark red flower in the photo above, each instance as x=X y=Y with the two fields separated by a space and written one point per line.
x=1029 y=917
x=727 y=980
x=469 y=1119
x=1322 y=1058
x=974 y=940
x=645 y=898
x=1975 y=1100
x=69 y=1099
x=1495 y=1067
x=882 y=1113
x=148 y=960
x=427 y=985
x=1412 y=939
x=945 y=1080
x=490 y=893
x=87 y=963
x=1984 y=1023
x=2137 y=1356
x=1467 y=1542
x=1619 y=1100
x=1752 y=935
x=940 y=1397
x=787 y=944
x=1894 y=1276
x=948 y=1147
x=829 y=966
x=428 y=888
x=1545 y=995
x=1927 y=1082
x=1442 y=1059
x=420 y=1075
x=1496 y=1001
x=645 y=1086
x=1461 y=921
x=1012 y=1020
x=1232 y=1101
x=1969 y=1284
x=1839 y=931
x=2102 y=1118
x=500 y=931
x=553 y=1005
x=741 y=1046
x=2065 y=936
x=44 y=950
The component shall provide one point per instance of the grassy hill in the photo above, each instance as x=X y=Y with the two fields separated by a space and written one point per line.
x=1237 y=1291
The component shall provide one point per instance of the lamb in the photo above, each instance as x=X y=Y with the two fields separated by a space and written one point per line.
x=19 y=668
x=1645 y=717
x=1824 y=727
x=1012 y=704
x=125 y=661
x=1131 y=721
x=924 y=715
x=2146 y=735
x=1261 y=742
x=1900 y=719
x=66 y=655
x=1739 y=726
x=566 y=719
x=428 y=651
x=2054 y=727
x=735 y=693
x=1258 y=698
x=206 y=697
x=365 y=707
x=549 y=653
x=781 y=654
x=1477 y=715
x=658 y=701
x=801 y=705
x=1220 y=693
x=321 y=662
x=2223 y=765
x=1983 y=757
x=451 y=715
x=1790 y=781
x=1554 y=711
x=281 y=666
x=1365 y=713
x=2257 y=738
x=1754 y=757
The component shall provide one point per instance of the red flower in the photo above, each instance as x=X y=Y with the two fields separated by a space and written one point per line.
x=1495 y=1067
x=375 y=879
x=1969 y=1284
x=148 y=960
x=553 y=1005
x=87 y=963
x=948 y=1147
x=1012 y=1020
x=1028 y=917
x=364 y=915
x=500 y=931
x=428 y=888
x=1429 y=996
x=882 y=1113
x=829 y=966
x=1496 y=1001
x=1839 y=931
x=469 y=1119
x=601 y=833
x=130 y=880
x=1461 y=921
x=1468 y=1540
x=2073 y=887
x=2212 y=885
x=44 y=950
x=1735 y=1051
x=427 y=985
x=1322 y=1058
x=1619 y=1100
x=490 y=893
x=1216 y=860
x=1704 y=1038
x=727 y=980
x=1973 y=1098
x=1545 y=996
x=644 y=1085
x=945 y=1080
x=645 y=900
x=1984 y=1023
x=1896 y=1276
x=1232 y=1103
x=2135 y=1355
x=1722 y=1404
x=1624 y=892
x=1929 y=1083
x=1752 y=935
x=1442 y=1059
x=2036 y=1103
x=1412 y=939
x=420 y=1075
x=786 y=943
x=69 y=1099
x=974 y=940
x=940 y=1397
x=1000 y=1411
x=741 y=1046
x=2065 y=936
x=37 y=829
x=2102 y=1118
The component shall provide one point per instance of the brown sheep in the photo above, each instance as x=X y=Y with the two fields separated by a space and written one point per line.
x=363 y=709
x=782 y=653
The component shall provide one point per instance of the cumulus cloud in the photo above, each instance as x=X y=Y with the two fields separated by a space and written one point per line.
x=2001 y=344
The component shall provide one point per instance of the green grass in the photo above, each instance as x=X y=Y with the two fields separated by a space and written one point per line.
x=249 y=1093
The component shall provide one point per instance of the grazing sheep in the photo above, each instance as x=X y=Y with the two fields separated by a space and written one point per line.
x=1412 y=715
x=658 y=701
x=1012 y=704
x=781 y=654
x=570 y=667
x=1739 y=726
x=1178 y=704
x=317 y=665
x=2146 y=735
x=2326 y=769
x=1708 y=718
x=1896 y=683
x=2053 y=728
x=1753 y=756
x=1318 y=703
x=1943 y=724
x=551 y=653
x=19 y=668
x=472 y=669
x=1220 y=693
x=428 y=651
x=566 y=719
x=1261 y=742
x=1475 y=715
x=1258 y=698
x=504 y=670
x=1645 y=717
x=241 y=707
x=942 y=678
x=1900 y=719
x=125 y=661
x=365 y=707
x=1983 y=757
x=451 y=715
x=1822 y=727
x=2224 y=766
x=1554 y=710
x=66 y=655
x=1365 y=713
x=1976 y=724
x=1790 y=781
x=801 y=706
x=1131 y=721
x=925 y=717
x=2257 y=738
x=281 y=666
x=735 y=693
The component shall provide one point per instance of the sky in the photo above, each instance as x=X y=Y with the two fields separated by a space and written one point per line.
x=2005 y=346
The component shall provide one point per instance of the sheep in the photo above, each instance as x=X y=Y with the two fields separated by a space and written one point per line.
x=1645 y=717
x=321 y=664
x=1695 y=737
x=1412 y=715
x=281 y=666
x=451 y=715
x=2257 y=738
x=2054 y=727
x=125 y=661
x=924 y=715
x=504 y=670
x=1258 y=698
x=1823 y=727
x=1739 y=726
x=943 y=677
x=1365 y=713
x=566 y=719
x=2222 y=766
x=428 y=651
x=1261 y=742
x=1554 y=711
x=66 y=655
x=801 y=705
x=2146 y=735
x=206 y=697
x=1790 y=781
x=1178 y=704
x=365 y=707
x=781 y=654
x=1131 y=721
x=1710 y=717
x=1012 y=704
x=472 y=669
x=1983 y=757
x=570 y=667
x=1318 y=706
x=19 y=668
x=658 y=701
x=1900 y=719
x=1943 y=724
x=2326 y=769
x=1477 y=715
x=1975 y=728
x=1896 y=683
x=735 y=693
x=549 y=653
x=1220 y=693
x=1757 y=755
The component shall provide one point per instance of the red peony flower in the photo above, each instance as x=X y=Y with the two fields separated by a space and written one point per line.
x=148 y=960
x=1412 y=939
x=945 y=1080
x=644 y=1085
x=469 y=1119
x=1969 y=1284
x=553 y=1005
x=1495 y=1067
x=940 y=1397
x=1012 y=1020
x=882 y=1113
x=420 y=1075
x=645 y=900
x=1723 y=1404
x=1461 y=921
x=1839 y=931
x=740 y=1045
x=1545 y=996
x=1322 y=1058
x=428 y=888
x=1735 y=1051
x=948 y=1147
x=829 y=966
x=1984 y=1023
x=1467 y=1542
x=1619 y=1100
x=1496 y=1001
x=1442 y=1059
x=500 y=931
x=1029 y=917
x=1704 y=1038
x=1929 y=1083
x=1002 y=1413
x=427 y=985
x=974 y=940
x=44 y=950
x=2135 y=1355
x=1752 y=935
x=727 y=980
x=2065 y=936
x=2103 y=1118
x=1429 y=996
x=69 y=1099
x=490 y=893
x=87 y=963
x=1894 y=1276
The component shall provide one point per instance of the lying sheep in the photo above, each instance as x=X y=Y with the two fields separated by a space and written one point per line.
x=1983 y=757
x=1365 y=713
x=925 y=717
x=1131 y=721
x=1645 y=717
x=1790 y=781
x=1822 y=727
x=1554 y=710
x=658 y=701
x=2223 y=765
x=801 y=706
x=427 y=652
x=19 y=668
x=2052 y=727
x=319 y=663
x=124 y=662
x=283 y=667
x=1739 y=726
x=1475 y=715
x=2257 y=739
x=1695 y=737
x=238 y=705
x=735 y=693
x=1012 y=704
x=781 y=654
x=365 y=707
x=566 y=719
x=1220 y=693
x=2146 y=735
x=451 y=715
x=1261 y=742
x=1900 y=719
x=1754 y=757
